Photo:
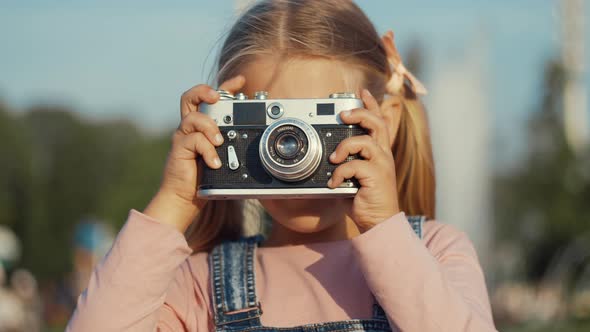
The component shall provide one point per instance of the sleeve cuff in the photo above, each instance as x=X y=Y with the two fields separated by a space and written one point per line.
x=146 y=224
x=388 y=248
x=145 y=247
x=390 y=229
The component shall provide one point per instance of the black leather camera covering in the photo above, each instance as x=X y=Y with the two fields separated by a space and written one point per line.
x=250 y=164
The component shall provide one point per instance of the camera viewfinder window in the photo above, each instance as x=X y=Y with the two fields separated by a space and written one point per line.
x=325 y=109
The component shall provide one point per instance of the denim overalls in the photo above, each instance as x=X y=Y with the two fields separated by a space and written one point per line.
x=236 y=307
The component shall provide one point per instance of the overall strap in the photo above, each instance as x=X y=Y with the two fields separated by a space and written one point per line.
x=233 y=283
x=416 y=222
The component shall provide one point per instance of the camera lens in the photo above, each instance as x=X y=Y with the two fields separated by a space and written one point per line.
x=290 y=149
x=287 y=145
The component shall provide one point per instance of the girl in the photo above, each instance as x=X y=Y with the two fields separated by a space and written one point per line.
x=362 y=264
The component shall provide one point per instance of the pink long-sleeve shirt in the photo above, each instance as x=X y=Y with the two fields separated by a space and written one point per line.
x=150 y=280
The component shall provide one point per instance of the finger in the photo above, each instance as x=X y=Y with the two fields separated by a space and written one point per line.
x=233 y=84
x=370 y=102
x=190 y=99
x=196 y=144
x=358 y=169
x=363 y=145
x=373 y=106
x=199 y=122
x=373 y=122
x=391 y=112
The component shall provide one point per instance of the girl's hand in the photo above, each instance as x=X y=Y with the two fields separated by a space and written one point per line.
x=197 y=135
x=377 y=198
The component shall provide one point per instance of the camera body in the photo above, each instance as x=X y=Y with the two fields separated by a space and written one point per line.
x=277 y=148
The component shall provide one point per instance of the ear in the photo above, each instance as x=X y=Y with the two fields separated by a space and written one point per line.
x=391 y=110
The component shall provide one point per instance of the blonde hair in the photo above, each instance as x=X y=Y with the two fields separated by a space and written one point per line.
x=331 y=29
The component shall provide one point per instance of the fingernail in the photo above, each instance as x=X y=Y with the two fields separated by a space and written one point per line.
x=213 y=93
x=333 y=155
x=330 y=182
x=217 y=162
x=368 y=93
x=219 y=139
x=345 y=113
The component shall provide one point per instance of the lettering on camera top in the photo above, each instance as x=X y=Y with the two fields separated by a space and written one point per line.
x=238 y=110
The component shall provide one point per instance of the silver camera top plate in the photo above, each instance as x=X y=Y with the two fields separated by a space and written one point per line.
x=236 y=111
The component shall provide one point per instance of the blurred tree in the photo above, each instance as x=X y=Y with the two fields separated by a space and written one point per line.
x=15 y=176
x=545 y=204
x=137 y=179
x=57 y=169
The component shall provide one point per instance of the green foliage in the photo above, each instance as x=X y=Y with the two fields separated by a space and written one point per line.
x=57 y=169
x=545 y=204
x=14 y=169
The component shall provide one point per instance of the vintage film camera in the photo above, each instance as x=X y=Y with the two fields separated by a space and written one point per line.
x=277 y=148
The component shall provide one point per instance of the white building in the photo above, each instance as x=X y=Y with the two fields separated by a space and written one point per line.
x=461 y=126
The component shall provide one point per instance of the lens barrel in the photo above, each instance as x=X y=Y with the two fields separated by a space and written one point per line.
x=290 y=149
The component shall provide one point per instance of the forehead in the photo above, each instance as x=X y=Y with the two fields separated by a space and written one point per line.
x=300 y=77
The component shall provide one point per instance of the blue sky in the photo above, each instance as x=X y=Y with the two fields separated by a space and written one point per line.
x=133 y=59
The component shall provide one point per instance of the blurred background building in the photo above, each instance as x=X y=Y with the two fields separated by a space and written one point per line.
x=461 y=127
x=89 y=94
x=572 y=19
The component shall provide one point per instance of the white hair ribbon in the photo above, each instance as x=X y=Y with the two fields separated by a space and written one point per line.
x=399 y=73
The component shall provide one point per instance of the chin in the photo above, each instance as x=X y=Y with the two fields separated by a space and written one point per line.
x=306 y=215
x=304 y=224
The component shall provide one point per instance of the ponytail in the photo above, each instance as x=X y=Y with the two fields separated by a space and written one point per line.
x=414 y=163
